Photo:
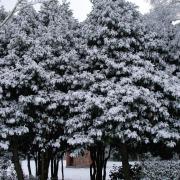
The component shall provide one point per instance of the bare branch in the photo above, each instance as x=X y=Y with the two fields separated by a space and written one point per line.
x=11 y=13
x=15 y=9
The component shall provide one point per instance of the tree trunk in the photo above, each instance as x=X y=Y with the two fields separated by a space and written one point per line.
x=105 y=162
x=99 y=164
x=29 y=164
x=125 y=162
x=52 y=168
x=93 y=164
x=99 y=161
x=62 y=168
x=92 y=171
x=42 y=174
x=45 y=161
x=104 y=170
x=36 y=163
x=39 y=160
x=16 y=161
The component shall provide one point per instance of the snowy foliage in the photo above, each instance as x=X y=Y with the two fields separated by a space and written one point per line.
x=161 y=170
x=54 y=52
x=112 y=79
x=151 y=169
x=116 y=173
x=6 y=167
x=127 y=95
x=166 y=35
x=13 y=69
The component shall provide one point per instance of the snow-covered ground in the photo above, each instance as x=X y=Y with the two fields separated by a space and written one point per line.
x=72 y=173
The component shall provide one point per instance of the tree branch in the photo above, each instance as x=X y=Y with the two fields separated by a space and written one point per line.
x=15 y=9
x=11 y=13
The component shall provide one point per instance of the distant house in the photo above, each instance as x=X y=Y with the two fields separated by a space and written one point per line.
x=80 y=161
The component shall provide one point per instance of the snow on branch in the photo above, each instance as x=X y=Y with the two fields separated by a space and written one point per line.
x=19 y=5
x=11 y=13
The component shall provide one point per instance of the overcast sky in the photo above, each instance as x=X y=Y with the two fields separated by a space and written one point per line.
x=81 y=7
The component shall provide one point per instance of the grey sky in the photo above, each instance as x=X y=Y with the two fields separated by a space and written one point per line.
x=82 y=7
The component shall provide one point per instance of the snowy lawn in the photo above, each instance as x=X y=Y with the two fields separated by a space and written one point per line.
x=72 y=173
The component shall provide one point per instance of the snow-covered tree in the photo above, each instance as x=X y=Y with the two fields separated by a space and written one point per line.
x=127 y=97
x=54 y=52
x=38 y=69
x=160 y=21
x=171 y=7
x=14 y=74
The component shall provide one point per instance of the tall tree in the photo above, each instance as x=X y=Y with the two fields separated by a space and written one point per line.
x=19 y=34
x=128 y=97
x=54 y=51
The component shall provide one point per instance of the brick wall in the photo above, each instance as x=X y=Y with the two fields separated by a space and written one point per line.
x=80 y=161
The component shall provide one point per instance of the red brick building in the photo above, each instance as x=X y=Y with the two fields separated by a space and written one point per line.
x=80 y=161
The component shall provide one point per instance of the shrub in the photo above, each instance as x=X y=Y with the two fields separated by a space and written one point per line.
x=148 y=170
x=157 y=170
x=117 y=173
x=6 y=168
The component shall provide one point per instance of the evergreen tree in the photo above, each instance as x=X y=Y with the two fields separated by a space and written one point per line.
x=14 y=68
x=128 y=98
x=48 y=104
x=165 y=35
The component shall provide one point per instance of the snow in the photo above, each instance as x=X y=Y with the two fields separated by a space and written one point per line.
x=72 y=173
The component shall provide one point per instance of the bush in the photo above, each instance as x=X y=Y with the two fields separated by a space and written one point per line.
x=6 y=168
x=117 y=173
x=157 y=170
x=148 y=170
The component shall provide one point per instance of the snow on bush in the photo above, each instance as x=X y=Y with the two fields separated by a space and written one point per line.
x=117 y=172
x=6 y=168
x=157 y=170
x=148 y=170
